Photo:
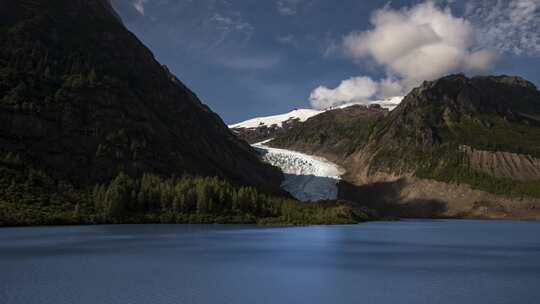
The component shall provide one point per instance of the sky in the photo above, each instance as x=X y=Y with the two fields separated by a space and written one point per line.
x=248 y=58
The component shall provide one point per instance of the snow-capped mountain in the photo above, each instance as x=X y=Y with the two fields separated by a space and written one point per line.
x=300 y=115
x=307 y=178
x=261 y=128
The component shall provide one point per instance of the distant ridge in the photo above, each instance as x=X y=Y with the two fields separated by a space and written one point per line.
x=262 y=128
x=454 y=147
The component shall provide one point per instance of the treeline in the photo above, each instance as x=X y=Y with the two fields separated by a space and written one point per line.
x=33 y=198
x=210 y=199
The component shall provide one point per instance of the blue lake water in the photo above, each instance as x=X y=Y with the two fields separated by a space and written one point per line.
x=454 y=261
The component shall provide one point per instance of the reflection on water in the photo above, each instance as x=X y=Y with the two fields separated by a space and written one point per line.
x=395 y=262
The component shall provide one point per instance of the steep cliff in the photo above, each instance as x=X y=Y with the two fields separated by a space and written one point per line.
x=82 y=99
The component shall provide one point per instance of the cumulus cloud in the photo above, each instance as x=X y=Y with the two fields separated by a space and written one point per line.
x=481 y=60
x=420 y=43
x=508 y=26
x=414 y=44
x=356 y=89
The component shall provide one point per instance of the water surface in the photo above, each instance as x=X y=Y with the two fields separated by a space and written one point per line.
x=381 y=262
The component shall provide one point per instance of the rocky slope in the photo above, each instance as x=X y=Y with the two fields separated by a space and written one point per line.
x=82 y=99
x=454 y=147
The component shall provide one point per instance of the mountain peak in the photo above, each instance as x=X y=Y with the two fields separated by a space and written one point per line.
x=489 y=94
x=84 y=99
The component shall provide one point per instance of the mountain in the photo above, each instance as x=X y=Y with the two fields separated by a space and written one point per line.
x=94 y=130
x=84 y=103
x=262 y=128
x=83 y=98
x=334 y=134
x=454 y=147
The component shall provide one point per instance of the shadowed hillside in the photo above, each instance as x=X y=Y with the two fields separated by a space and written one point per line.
x=94 y=130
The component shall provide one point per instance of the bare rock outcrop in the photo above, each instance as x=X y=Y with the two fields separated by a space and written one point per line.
x=504 y=164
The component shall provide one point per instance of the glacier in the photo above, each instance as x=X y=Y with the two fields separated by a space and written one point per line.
x=307 y=177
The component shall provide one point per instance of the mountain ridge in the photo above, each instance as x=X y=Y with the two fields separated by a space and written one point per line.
x=263 y=128
x=478 y=136
x=78 y=84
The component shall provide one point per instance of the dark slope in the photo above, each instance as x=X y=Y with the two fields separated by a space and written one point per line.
x=83 y=102
x=82 y=99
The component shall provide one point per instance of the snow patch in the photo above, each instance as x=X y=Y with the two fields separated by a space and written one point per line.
x=304 y=114
x=307 y=177
x=389 y=103
x=300 y=114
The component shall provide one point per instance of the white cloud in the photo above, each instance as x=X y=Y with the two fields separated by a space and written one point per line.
x=421 y=43
x=390 y=87
x=356 y=89
x=414 y=44
x=481 y=60
x=508 y=26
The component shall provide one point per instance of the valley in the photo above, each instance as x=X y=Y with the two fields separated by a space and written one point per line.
x=286 y=151
x=456 y=147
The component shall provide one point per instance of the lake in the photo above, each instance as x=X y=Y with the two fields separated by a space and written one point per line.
x=412 y=261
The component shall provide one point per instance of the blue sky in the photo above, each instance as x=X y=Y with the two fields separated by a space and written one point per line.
x=247 y=58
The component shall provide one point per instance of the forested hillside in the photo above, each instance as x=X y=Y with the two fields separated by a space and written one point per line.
x=94 y=129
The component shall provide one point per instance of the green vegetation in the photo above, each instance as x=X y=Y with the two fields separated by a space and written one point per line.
x=33 y=198
x=424 y=136
x=340 y=132
x=455 y=168
x=494 y=133
x=446 y=163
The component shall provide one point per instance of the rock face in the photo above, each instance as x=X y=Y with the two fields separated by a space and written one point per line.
x=454 y=147
x=504 y=164
x=81 y=99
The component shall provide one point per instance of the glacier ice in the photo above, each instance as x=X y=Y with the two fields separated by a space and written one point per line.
x=307 y=177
